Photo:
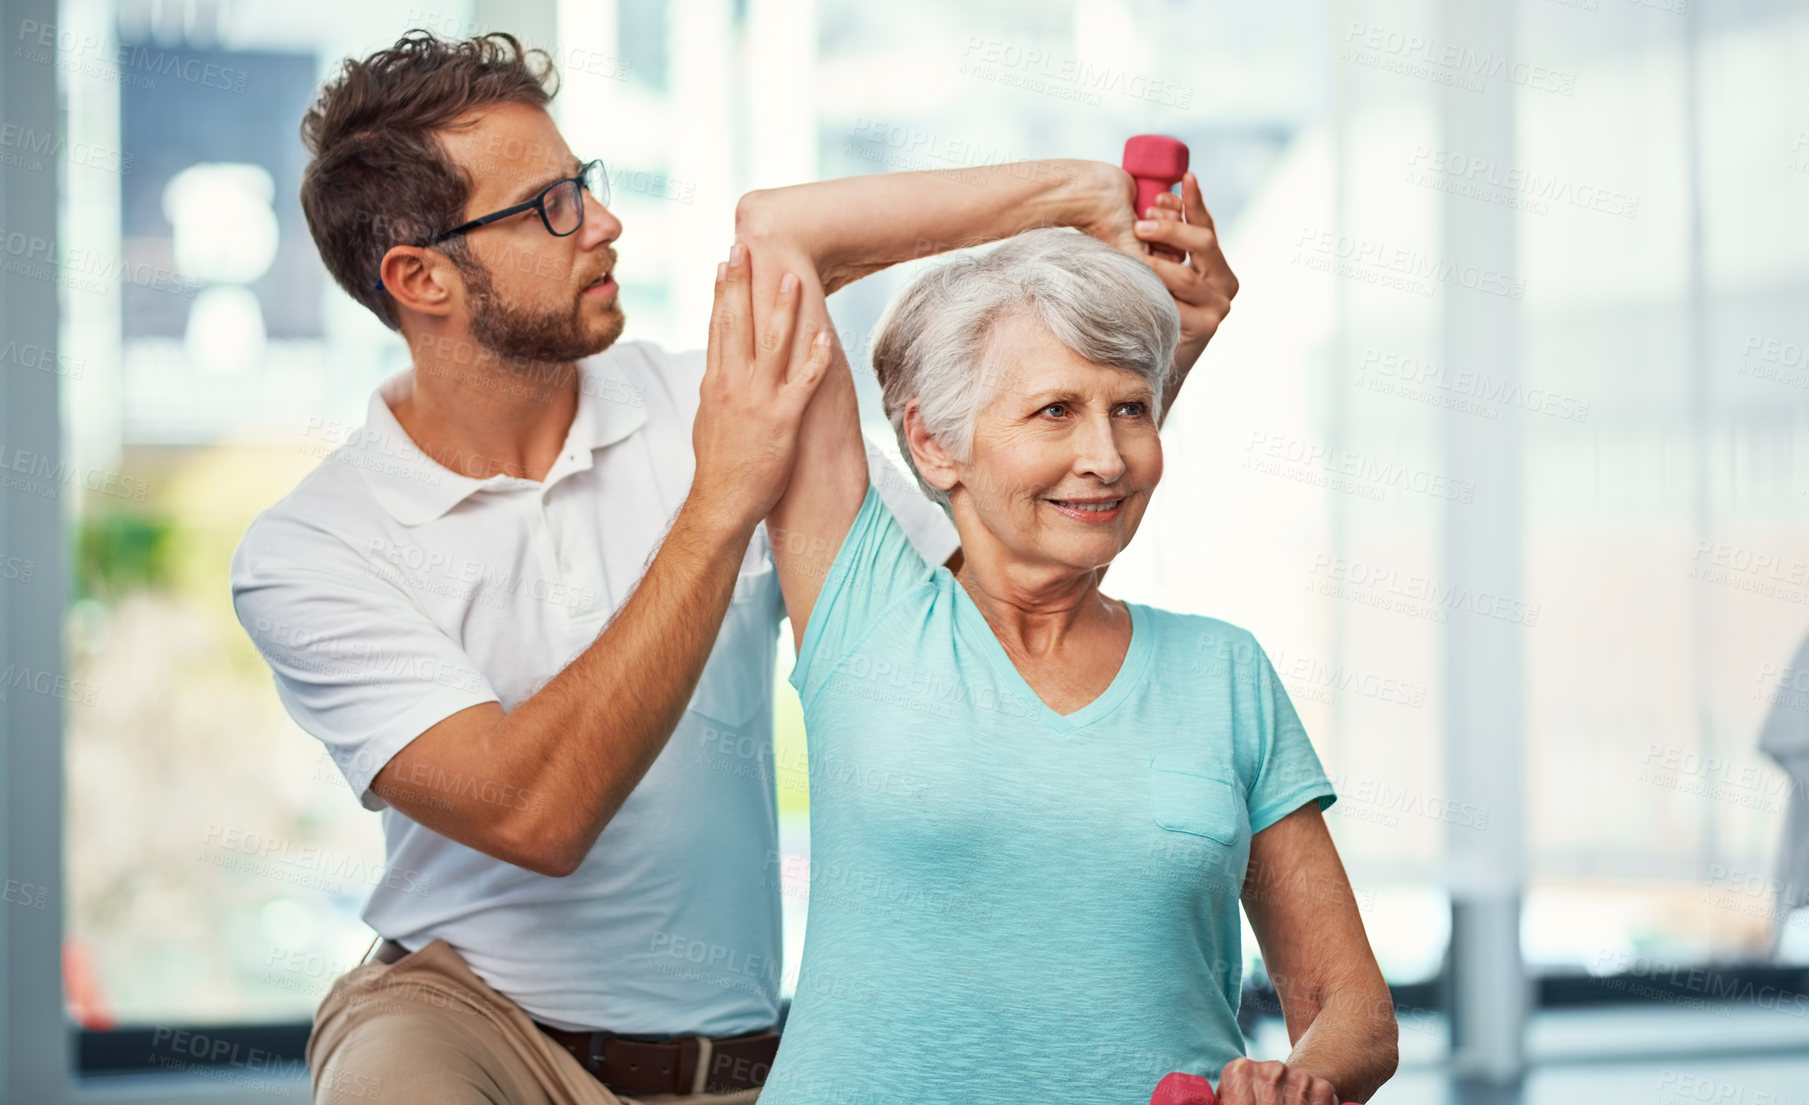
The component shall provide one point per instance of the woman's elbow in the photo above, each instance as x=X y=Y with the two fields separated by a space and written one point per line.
x=756 y=215
x=1382 y=1048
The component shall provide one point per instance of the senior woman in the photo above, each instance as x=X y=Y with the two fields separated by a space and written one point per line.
x=1026 y=868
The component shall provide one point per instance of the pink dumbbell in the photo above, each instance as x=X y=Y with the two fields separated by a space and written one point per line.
x=1158 y=163
x=1185 y=1089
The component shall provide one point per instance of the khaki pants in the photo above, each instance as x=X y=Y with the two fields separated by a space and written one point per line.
x=425 y=1029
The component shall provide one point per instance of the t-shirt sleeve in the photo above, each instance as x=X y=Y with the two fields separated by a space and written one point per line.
x=876 y=566
x=1288 y=771
x=357 y=664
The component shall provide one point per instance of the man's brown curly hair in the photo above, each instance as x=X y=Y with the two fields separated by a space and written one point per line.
x=377 y=176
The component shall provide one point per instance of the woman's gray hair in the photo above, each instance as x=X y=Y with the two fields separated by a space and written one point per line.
x=931 y=343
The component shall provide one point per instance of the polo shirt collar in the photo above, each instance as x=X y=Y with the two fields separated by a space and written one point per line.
x=415 y=489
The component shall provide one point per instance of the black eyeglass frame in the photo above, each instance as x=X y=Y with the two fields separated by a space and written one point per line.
x=537 y=204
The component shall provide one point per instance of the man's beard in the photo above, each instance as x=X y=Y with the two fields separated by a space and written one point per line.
x=554 y=335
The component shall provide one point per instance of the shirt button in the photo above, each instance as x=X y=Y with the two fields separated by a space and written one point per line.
x=565 y=566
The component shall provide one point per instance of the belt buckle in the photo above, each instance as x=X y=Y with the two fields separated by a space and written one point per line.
x=598 y=1041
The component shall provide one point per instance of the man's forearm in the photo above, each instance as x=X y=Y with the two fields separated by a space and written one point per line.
x=854 y=226
x=589 y=735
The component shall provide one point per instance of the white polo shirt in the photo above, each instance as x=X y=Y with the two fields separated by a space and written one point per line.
x=387 y=592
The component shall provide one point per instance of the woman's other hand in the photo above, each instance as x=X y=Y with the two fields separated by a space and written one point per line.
x=1203 y=284
x=1248 y=1082
x=1176 y=237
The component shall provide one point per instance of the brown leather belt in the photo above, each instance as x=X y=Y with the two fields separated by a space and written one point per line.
x=645 y=1065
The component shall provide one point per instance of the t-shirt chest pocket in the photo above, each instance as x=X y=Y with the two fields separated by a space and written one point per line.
x=1198 y=797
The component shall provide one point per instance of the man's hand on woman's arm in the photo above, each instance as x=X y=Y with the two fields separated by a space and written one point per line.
x=1336 y=1004
x=582 y=743
x=829 y=479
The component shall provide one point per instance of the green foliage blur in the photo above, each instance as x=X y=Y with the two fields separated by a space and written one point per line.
x=117 y=552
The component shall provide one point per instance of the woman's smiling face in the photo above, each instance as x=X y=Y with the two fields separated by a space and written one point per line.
x=1065 y=452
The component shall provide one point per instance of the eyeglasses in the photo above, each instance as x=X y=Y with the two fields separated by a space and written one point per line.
x=560 y=204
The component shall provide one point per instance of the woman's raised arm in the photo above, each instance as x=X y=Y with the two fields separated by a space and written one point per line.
x=829 y=478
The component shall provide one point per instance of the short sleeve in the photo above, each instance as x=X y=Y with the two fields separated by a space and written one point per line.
x=681 y=372
x=1288 y=771
x=876 y=566
x=357 y=664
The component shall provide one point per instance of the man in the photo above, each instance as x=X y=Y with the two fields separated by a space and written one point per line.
x=530 y=607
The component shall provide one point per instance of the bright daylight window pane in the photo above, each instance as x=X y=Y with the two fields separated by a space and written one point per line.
x=217 y=860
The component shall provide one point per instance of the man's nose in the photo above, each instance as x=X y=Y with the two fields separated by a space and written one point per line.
x=600 y=224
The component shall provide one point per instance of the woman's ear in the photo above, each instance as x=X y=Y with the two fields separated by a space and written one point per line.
x=927 y=453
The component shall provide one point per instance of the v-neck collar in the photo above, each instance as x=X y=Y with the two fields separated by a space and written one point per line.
x=1136 y=657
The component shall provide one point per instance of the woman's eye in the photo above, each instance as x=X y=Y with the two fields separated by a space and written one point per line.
x=1058 y=408
x=1136 y=408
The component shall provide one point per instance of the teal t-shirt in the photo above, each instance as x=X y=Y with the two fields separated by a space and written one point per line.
x=1007 y=904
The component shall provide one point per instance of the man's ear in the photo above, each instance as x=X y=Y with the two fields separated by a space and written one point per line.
x=927 y=453
x=420 y=280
